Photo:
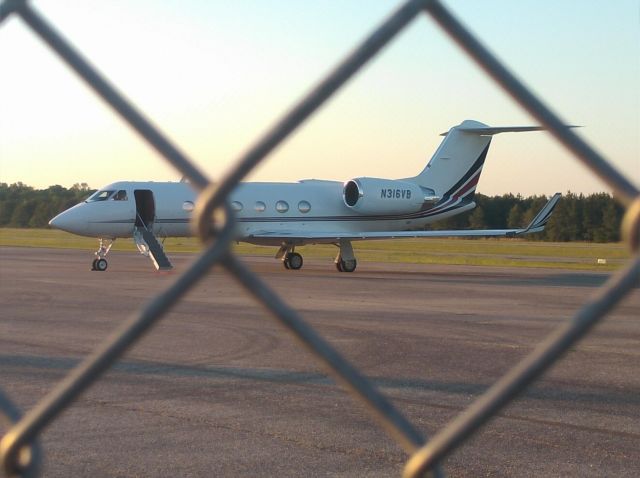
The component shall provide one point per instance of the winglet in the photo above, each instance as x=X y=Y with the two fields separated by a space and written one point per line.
x=538 y=222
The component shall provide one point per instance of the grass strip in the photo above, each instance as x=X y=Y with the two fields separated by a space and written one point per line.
x=487 y=252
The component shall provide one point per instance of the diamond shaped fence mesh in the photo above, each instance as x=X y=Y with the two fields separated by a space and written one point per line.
x=20 y=453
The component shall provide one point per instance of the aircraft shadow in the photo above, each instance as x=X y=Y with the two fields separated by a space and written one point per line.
x=562 y=392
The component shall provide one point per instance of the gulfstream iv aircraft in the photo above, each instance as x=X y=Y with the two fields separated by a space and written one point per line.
x=310 y=211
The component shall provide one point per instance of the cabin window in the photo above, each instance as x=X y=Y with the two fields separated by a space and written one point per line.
x=260 y=206
x=120 y=195
x=304 y=207
x=282 y=206
x=100 y=196
x=188 y=206
x=236 y=206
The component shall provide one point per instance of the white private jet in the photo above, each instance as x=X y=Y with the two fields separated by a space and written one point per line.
x=307 y=212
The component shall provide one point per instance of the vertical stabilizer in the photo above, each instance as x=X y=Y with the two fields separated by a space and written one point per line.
x=454 y=169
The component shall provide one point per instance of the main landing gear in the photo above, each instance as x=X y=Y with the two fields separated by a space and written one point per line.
x=290 y=259
x=345 y=260
x=100 y=263
x=345 y=266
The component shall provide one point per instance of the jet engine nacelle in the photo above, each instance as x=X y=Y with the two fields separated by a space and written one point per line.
x=384 y=196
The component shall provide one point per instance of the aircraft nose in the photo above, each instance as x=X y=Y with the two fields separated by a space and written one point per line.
x=70 y=220
x=56 y=222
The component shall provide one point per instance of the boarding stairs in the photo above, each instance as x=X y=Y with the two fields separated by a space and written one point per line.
x=149 y=246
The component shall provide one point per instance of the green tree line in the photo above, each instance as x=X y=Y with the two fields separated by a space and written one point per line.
x=594 y=218
x=577 y=217
x=24 y=206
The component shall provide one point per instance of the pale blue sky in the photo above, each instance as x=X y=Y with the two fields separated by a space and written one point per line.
x=214 y=75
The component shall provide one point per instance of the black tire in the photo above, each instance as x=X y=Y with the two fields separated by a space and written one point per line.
x=339 y=265
x=285 y=263
x=93 y=265
x=295 y=261
x=348 y=266
x=101 y=265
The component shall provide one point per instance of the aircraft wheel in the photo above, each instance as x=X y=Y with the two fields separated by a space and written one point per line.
x=295 y=260
x=339 y=265
x=93 y=265
x=101 y=265
x=285 y=262
x=347 y=266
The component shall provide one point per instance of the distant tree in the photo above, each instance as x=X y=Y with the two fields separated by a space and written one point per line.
x=6 y=210
x=612 y=215
x=578 y=218
x=515 y=218
x=496 y=209
x=591 y=221
x=41 y=215
x=23 y=206
x=477 y=220
x=22 y=213
x=563 y=225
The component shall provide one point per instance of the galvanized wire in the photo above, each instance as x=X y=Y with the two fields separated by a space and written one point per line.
x=517 y=379
x=108 y=352
x=30 y=459
x=110 y=95
x=213 y=222
x=313 y=100
x=624 y=190
x=397 y=425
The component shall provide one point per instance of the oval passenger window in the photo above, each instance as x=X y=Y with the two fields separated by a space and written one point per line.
x=304 y=207
x=282 y=206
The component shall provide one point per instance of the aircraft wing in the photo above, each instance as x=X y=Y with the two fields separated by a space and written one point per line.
x=536 y=225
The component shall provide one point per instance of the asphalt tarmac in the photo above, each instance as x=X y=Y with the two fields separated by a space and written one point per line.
x=218 y=388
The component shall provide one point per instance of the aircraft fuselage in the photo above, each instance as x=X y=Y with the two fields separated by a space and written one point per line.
x=307 y=212
x=312 y=205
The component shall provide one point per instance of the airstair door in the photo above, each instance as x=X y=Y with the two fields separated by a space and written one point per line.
x=145 y=208
x=143 y=236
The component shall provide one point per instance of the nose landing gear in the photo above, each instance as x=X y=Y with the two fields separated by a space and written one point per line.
x=100 y=263
x=293 y=260
x=290 y=259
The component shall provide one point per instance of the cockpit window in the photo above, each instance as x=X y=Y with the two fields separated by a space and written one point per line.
x=100 y=196
x=120 y=195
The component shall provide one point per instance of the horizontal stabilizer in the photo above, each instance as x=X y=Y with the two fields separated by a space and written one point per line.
x=490 y=130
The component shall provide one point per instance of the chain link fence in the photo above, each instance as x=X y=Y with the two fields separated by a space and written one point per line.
x=213 y=222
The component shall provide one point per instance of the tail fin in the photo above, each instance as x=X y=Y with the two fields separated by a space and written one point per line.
x=454 y=169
